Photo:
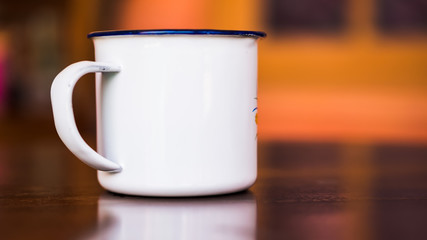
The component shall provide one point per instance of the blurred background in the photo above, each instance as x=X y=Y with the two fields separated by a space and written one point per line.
x=329 y=70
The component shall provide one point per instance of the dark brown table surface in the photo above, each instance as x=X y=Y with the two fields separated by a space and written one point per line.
x=317 y=190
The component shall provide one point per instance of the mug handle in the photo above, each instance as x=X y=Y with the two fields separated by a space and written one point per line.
x=61 y=96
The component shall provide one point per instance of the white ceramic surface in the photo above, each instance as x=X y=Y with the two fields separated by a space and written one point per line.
x=175 y=113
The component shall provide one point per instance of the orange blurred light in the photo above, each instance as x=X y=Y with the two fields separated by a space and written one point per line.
x=153 y=14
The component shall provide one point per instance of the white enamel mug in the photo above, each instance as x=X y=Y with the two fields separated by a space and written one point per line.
x=176 y=111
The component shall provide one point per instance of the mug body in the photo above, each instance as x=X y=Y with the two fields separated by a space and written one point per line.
x=180 y=116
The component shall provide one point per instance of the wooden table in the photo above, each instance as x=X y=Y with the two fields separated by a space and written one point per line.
x=304 y=191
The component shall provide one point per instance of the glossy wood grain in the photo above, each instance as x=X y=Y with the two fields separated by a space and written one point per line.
x=304 y=191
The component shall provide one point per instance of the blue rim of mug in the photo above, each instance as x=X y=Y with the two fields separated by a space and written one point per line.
x=254 y=34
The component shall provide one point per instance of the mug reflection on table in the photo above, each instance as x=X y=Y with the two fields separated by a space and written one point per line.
x=230 y=217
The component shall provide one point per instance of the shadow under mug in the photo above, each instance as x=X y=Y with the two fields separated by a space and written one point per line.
x=176 y=111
